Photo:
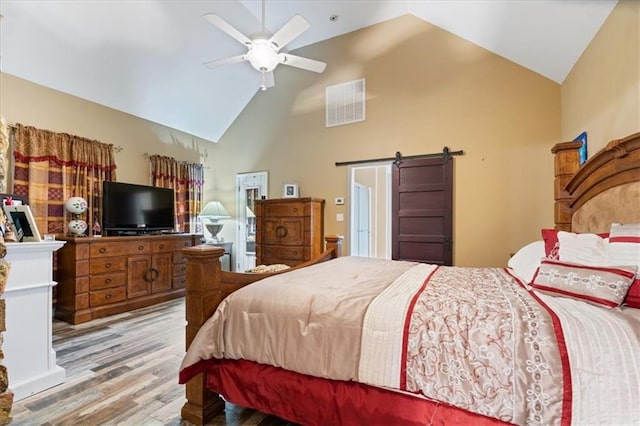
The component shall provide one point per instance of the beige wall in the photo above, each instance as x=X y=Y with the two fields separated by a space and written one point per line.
x=601 y=95
x=426 y=89
x=34 y=105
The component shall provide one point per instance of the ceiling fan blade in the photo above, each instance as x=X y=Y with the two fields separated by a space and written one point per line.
x=300 y=62
x=226 y=61
x=292 y=29
x=227 y=28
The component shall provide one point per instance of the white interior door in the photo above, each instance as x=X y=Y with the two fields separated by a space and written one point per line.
x=370 y=185
x=250 y=187
x=361 y=230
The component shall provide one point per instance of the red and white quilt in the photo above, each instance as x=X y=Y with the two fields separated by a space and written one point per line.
x=474 y=338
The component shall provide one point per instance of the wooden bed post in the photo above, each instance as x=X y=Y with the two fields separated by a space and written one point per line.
x=566 y=164
x=202 y=298
x=334 y=242
x=207 y=285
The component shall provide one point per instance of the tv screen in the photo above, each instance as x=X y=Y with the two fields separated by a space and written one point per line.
x=129 y=207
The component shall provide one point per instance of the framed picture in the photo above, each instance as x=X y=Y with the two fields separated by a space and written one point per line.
x=22 y=223
x=583 y=149
x=290 y=190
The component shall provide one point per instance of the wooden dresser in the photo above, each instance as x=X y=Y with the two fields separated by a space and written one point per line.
x=103 y=276
x=289 y=230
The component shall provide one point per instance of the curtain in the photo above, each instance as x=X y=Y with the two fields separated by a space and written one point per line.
x=51 y=167
x=187 y=180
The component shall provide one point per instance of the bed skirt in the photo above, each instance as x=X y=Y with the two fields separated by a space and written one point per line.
x=315 y=401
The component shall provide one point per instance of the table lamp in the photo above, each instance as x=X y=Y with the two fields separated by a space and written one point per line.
x=211 y=215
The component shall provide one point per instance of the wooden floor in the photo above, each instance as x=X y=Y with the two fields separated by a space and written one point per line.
x=122 y=370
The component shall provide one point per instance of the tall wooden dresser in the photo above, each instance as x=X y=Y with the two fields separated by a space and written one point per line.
x=289 y=230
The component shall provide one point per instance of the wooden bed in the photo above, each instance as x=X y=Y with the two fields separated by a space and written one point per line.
x=613 y=174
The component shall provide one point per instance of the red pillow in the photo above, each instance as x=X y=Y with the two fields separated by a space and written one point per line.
x=551 y=245
x=633 y=296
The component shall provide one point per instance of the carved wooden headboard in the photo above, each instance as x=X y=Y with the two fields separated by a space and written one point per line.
x=604 y=190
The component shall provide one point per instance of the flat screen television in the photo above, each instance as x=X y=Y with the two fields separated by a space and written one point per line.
x=134 y=209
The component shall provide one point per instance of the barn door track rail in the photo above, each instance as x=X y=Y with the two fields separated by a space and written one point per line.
x=446 y=155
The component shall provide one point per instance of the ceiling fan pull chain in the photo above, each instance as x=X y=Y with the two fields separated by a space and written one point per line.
x=263 y=19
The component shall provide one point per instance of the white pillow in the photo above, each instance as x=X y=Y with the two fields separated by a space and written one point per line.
x=526 y=260
x=586 y=249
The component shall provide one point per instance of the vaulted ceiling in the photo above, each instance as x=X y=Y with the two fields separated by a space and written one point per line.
x=146 y=57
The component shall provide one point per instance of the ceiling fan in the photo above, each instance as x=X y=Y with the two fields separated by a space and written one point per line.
x=264 y=49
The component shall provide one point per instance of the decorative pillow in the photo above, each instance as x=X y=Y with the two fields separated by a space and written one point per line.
x=579 y=248
x=624 y=249
x=263 y=269
x=526 y=260
x=551 y=245
x=601 y=285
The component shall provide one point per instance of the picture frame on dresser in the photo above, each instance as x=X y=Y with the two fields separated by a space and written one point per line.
x=290 y=190
x=22 y=223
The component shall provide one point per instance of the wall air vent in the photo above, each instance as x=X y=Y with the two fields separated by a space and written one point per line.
x=345 y=103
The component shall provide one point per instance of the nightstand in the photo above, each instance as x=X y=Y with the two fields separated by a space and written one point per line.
x=226 y=259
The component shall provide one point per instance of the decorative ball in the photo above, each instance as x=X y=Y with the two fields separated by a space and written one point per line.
x=76 y=205
x=77 y=227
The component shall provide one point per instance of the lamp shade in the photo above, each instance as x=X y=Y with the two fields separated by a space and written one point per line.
x=214 y=210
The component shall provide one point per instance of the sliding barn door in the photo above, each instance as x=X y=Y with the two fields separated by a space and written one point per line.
x=422 y=223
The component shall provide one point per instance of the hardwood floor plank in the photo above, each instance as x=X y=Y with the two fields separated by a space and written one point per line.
x=123 y=370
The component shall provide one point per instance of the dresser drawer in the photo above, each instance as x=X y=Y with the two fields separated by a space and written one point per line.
x=105 y=297
x=178 y=257
x=182 y=243
x=120 y=248
x=288 y=209
x=284 y=231
x=162 y=246
x=179 y=269
x=282 y=253
x=100 y=282
x=108 y=264
x=179 y=281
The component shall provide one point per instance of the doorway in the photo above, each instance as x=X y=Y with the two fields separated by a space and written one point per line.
x=370 y=210
x=250 y=187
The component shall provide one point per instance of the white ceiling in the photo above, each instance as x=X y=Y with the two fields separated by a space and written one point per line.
x=144 y=57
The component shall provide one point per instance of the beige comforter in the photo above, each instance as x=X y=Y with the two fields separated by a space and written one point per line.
x=471 y=337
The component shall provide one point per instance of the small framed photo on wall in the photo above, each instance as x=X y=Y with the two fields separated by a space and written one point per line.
x=583 y=149
x=290 y=190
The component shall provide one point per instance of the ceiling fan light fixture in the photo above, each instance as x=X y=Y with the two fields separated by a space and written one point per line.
x=262 y=56
x=264 y=49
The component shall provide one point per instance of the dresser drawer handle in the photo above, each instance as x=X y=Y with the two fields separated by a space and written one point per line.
x=140 y=248
x=102 y=250
x=281 y=231
x=295 y=252
x=108 y=296
x=107 y=281
x=295 y=210
x=161 y=246
x=107 y=265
